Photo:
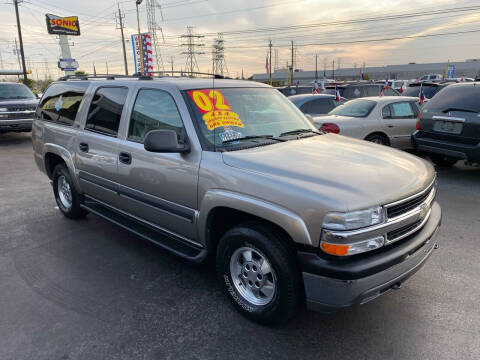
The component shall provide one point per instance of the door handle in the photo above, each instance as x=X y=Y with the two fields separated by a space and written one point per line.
x=125 y=158
x=83 y=147
x=390 y=126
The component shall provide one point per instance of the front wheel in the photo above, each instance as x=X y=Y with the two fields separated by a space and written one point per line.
x=442 y=160
x=258 y=271
x=377 y=139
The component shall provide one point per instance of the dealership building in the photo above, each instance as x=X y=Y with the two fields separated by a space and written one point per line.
x=469 y=68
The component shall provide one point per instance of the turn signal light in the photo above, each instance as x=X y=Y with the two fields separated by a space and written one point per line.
x=334 y=249
x=330 y=128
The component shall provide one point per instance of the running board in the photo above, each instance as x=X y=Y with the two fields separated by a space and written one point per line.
x=161 y=238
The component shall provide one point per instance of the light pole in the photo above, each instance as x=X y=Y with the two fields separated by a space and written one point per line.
x=140 y=56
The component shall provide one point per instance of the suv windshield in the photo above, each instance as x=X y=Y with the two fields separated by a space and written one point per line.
x=15 y=91
x=227 y=117
x=456 y=98
x=355 y=108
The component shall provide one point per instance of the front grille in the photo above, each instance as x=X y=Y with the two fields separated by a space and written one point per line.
x=398 y=233
x=17 y=116
x=22 y=108
x=404 y=207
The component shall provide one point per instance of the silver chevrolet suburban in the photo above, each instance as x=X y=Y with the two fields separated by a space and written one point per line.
x=233 y=171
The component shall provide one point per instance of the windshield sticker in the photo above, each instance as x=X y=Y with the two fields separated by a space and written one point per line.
x=215 y=109
x=59 y=103
x=230 y=135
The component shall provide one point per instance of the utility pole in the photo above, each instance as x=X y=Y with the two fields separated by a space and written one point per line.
x=171 y=62
x=316 y=67
x=24 y=68
x=293 y=69
x=120 y=21
x=106 y=64
x=270 y=63
x=140 y=56
x=191 y=61
x=333 y=67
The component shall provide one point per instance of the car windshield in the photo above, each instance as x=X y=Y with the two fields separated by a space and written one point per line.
x=15 y=91
x=355 y=108
x=229 y=117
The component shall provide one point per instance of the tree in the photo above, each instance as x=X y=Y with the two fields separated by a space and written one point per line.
x=80 y=72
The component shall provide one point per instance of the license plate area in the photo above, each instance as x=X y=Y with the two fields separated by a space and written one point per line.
x=450 y=127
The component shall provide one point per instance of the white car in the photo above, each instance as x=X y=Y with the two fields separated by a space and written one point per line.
x=387 y=120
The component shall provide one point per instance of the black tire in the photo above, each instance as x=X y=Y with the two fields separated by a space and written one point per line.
x=272 y=244
x=74 y=211
x=378 y=139
x=441 y=160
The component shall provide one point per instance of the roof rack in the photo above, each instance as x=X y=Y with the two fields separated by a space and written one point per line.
x=105 y=77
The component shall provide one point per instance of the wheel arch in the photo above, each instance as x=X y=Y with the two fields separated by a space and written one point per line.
x=54 y=155
x=379 y=133
x=221 y=210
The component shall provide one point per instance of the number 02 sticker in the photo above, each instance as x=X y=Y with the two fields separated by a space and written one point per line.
x=215 y=108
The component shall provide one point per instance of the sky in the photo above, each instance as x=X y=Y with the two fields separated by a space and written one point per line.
x=328 y=29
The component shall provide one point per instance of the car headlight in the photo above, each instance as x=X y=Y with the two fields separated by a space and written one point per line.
x=354 y=219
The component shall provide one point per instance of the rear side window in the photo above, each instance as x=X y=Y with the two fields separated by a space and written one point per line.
x=456 y=98
x=353 y=92
x=60 y=103
x=320 y=106
x=401 y=110
x=373 y=90
x=154 y=110
x=106 y=110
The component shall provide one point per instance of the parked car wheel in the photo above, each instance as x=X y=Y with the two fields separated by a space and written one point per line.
x=378 y=139
x=442 y=160
x=258 y=272
x=67 y=198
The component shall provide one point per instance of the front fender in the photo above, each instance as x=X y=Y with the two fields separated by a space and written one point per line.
x=284 y=218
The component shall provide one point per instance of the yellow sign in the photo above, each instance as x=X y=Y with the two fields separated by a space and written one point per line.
x=63 y=25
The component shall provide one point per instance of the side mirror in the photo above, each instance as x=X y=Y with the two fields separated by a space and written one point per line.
x=165 y=141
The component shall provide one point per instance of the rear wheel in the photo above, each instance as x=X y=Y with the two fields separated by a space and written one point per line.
x=442 y=160
x=378 y=139
x=257 y=269
x=67 y=198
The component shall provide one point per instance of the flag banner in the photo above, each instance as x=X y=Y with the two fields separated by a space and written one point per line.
x=147 y=54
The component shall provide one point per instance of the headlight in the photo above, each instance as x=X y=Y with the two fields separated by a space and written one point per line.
x=3 y=109
x=353 y=220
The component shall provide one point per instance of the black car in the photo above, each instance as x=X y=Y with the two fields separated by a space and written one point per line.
x=17 y=107
x=295 y=90
x=430 y=89
x=449 y=125
x=354 y=91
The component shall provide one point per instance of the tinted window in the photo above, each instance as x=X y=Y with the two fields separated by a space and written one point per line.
x=390 y=92
x=106 y=109
x=320 y=106
x=428 y=91
x=373 y=90
x=61 y=103
x=355 y=108
x=456 y=98
x=352 y=92
x=15 y=91
x=154 y=110
x=387 y=112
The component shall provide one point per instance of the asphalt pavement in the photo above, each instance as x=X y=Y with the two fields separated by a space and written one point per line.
x=88 y=289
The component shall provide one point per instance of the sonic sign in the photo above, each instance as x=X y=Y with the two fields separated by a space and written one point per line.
x=63 y=25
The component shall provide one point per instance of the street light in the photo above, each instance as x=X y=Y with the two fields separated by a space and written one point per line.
x=140 y=56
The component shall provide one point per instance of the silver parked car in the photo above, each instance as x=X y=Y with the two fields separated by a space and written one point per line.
x=237 y=172
x=383 y=120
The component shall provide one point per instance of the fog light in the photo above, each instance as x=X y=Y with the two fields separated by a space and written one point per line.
x=353 y=248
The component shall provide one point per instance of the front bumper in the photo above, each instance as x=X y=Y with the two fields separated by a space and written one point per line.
x=16 y=125
x=332 y=285
x=440 y=144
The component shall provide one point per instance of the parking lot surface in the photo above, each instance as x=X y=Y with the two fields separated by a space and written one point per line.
x=88 y=289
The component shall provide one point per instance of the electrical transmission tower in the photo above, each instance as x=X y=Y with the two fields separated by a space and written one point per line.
x=155 y=31
x=192 y=46
x=218 y=56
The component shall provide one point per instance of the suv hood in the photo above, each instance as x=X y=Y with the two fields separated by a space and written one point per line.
x=349 y=173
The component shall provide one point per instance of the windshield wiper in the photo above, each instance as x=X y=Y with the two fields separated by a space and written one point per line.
x=300 y=131
x=267 y=137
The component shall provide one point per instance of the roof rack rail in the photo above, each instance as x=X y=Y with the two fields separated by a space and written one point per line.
x=105 y=76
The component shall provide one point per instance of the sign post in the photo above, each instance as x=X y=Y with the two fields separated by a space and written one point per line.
x=63 y=27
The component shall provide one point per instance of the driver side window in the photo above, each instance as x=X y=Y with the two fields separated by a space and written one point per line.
x=153 y=110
